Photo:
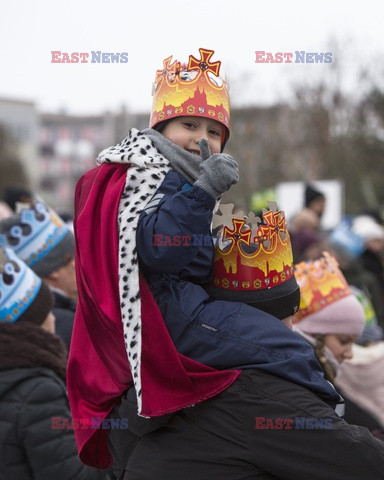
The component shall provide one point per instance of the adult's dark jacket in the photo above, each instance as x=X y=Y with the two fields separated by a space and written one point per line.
x=30 y=395
x=64 y=309
x=222 y=438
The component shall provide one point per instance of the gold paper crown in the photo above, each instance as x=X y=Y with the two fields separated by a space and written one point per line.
x=321 y=283
x=190 y=90
x=251 y=253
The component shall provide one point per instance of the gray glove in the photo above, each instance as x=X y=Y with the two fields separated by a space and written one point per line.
x=218 y=172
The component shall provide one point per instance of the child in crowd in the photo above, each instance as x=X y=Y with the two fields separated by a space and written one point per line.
x=331 y=319
x=32 y=382
x=145 y=216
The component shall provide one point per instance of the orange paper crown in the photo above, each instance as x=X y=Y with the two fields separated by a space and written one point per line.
x=321 y=283
x=190 y=90
x=252 y=253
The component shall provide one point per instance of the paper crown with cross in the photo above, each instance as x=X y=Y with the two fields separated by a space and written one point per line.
x=193 y=89
x=321 y=284
x=33 y=233
x=253 y=260
x=19 y=286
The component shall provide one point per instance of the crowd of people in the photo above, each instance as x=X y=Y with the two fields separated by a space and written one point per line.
x=36 y=439
x=256 y=352
x=358 y=245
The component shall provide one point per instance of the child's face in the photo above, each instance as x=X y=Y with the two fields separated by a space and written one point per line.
x=186 y=132
x=340 y=346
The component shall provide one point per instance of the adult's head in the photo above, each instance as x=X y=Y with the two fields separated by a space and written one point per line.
x=345 y=244
x=371 y=232
x=307 y=245
x=254 y=263
x=314 y=199
x=305 y=220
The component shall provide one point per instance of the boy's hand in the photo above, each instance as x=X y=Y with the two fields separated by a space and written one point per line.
x=218 y=172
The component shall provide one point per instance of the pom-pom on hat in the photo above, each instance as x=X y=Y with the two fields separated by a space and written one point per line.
x=192 y=89
x=39 y=237
x=23 y=295
x=327 y=305
x=253 y=261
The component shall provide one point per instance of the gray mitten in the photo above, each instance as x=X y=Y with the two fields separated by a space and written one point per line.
x=218 y=172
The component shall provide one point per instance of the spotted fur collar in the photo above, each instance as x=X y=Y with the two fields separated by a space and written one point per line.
x=145 y=175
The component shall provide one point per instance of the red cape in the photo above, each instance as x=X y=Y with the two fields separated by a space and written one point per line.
x=98 y=368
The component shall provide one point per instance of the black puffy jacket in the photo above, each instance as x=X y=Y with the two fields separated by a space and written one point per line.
x=30 y=448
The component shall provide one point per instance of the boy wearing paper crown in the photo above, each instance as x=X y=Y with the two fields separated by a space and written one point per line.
x=159 y=183
x=32 y=382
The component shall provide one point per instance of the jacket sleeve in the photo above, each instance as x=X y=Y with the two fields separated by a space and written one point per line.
x=52 y=452
x=174 y=226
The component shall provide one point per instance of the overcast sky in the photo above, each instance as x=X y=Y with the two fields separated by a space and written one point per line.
x=151 y=30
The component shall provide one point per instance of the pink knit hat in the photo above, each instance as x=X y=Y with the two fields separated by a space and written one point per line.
x=327 y=305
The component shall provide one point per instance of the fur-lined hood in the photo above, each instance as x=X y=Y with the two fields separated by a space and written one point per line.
x=25 y=345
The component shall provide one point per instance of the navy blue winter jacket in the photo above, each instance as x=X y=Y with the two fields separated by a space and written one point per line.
x=176 y=255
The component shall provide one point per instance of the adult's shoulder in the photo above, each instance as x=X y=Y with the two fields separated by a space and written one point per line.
x=40 y=384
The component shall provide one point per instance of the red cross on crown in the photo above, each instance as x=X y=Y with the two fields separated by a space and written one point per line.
x=204 y=63
x=246 y=261
x=237 y=235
